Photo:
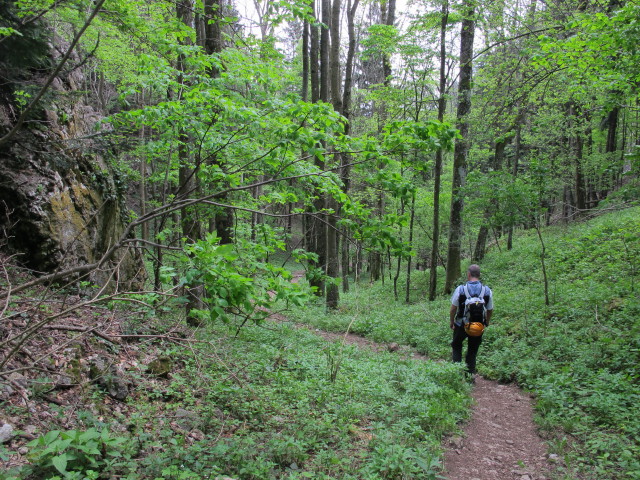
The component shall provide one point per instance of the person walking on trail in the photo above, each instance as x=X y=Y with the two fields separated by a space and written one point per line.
x=470 y=313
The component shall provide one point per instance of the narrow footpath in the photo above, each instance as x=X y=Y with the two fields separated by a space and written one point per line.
x=500 y=441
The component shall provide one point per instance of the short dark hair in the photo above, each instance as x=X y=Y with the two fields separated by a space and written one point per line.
x=474 y=271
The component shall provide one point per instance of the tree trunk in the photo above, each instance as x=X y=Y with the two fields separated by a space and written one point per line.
x=576 y=142
x=223 y=218
x=612 y=129
x=313 y=59
x=325 y=81
x=397 y=275
x=483 y=233
x=345 y=171
x=389 y=18
x=435 y=242
x=461 y=146
x=333 y=270
x=333 y=292
x=409 y=261
x=187 y=178
x=305 y=60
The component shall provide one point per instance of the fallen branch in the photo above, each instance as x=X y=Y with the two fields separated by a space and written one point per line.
x=73 y=328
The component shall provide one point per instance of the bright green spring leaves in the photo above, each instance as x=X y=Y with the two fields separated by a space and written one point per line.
x=267 y=407
x=73 y=454
x=599 y=50
x=581 y=354
x=238 y=279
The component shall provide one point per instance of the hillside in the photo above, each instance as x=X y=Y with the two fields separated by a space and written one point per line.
x=229 y=233
x=274 y=401
x=578 y=356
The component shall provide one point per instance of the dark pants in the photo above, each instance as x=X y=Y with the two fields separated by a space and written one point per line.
x=472 y=348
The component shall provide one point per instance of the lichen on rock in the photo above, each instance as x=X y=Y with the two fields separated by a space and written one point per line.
x=59 y=204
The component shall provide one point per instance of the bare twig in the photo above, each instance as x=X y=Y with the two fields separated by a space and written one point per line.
x=52 y=77
x=73 y=328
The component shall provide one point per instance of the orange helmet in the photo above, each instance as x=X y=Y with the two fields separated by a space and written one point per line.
x=474 y=329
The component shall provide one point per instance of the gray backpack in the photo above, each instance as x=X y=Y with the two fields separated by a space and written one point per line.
x=475 y=307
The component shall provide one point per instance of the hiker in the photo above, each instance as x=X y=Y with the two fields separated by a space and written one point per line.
x=470 y=313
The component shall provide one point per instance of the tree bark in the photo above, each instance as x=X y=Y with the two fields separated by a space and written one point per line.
x=435 y=242
x=409 y=261
x=305 y=61
x=224 y=218
x=483 y=233
x=389 y=18
x=576 y=143
x=333 y=267
x=345 y=171
x=187 y=178
x=313 y=59
x=461 y=146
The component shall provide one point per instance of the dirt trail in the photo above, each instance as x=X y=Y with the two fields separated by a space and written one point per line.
x=500 y=442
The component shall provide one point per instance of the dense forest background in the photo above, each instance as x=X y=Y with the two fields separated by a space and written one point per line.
x=198 y=165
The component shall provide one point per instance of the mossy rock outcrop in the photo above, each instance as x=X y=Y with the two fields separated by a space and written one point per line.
x=61 y=204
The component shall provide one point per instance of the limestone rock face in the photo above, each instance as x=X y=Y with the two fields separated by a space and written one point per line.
x=60 y=203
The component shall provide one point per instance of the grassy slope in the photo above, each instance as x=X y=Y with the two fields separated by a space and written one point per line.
x=262 y=405
x=580 y=355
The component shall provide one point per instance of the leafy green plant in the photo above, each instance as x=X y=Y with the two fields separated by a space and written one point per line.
x=73 y=454
x=397 y=462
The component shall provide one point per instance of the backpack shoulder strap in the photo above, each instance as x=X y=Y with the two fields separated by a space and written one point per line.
x=465 y=289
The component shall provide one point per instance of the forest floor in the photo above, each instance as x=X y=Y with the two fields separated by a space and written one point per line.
x=500 y=441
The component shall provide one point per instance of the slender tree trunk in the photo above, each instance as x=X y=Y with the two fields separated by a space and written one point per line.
x=312 y=224
x=313 y=59
x=187 y=178
x=345 y=171
x=435 y=243
x=224 y=218
x=462 y=145
x=543 y=263
x=320 y=226
x=388 y=19
x=612 y=129
x=483 y=233
x=612 y=145
x=576 y=149
x=305 y=60
x=399 y=263
x=333 y=271
x=325 y=81
x=409 y=261
x=514 y=173
x=143 y=190
x=333 y=292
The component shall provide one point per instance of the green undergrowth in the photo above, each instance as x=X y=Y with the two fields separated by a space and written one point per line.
x=580 y=355
x=273 y=402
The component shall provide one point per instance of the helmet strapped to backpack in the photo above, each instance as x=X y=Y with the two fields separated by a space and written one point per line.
x=474 y=329
x=475 y=311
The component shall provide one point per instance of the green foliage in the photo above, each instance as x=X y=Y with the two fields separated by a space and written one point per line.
x=393 y=461
x=579 y=356
x=238 y=279
x=601 y=50
x=266 y=408
x=73 y=454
